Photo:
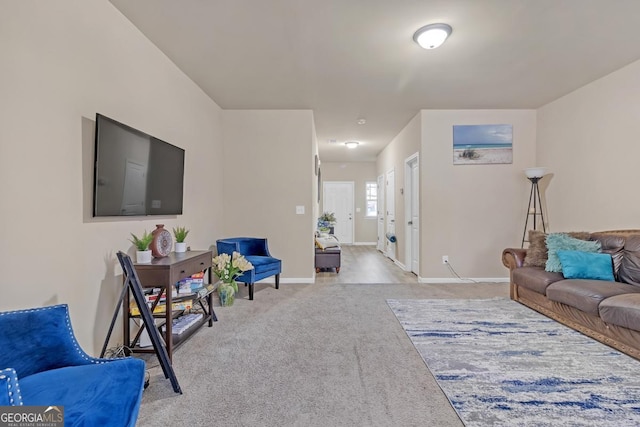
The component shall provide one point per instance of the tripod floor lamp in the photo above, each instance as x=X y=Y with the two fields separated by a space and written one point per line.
x=535 y=203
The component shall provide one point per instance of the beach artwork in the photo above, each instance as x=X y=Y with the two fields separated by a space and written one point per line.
x=482 y=144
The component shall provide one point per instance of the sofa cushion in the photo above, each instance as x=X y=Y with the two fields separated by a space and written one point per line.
x=537 y=250
x=535 y=278
x=612 y=244
x=106 y=394
x=622 y=310
x=586 y=265
x=562 y=241
x=630 y=266
x=586 y=295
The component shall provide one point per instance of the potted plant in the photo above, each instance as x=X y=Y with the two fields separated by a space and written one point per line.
x=326 y=222
x=143 y=253
x=228 y=268
x=180 y=233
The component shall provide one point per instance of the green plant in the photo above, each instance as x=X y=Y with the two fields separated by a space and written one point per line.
x=142 y=243
x=180 y=233
x=329 y=217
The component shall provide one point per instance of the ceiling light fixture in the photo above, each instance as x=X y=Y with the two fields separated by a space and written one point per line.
x=352 y=144
x=433 y=35
x=361 y=121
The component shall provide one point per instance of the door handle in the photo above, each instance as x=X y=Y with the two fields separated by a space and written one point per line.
x=410 y=223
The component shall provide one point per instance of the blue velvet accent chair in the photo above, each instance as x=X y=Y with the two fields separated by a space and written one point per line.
x=256 y=251
x=42 y=364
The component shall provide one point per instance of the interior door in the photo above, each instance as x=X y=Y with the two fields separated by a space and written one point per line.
x=415 y=216
x=381 y=237
x=338 y=198
x=390 y=199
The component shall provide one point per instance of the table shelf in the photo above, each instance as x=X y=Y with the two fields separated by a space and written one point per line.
x=164 y=273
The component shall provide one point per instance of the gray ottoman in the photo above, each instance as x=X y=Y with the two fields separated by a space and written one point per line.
x=327 y=258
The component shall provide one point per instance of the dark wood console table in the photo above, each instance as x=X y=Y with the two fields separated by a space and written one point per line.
x=164 y=273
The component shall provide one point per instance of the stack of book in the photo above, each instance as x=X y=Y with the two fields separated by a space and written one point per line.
x=182 y=323
x=190 y=284
x=162 y=307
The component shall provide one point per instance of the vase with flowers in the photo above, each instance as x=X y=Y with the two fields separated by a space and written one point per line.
x=228 y=269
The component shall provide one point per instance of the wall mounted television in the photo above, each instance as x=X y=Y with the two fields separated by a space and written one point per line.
x=135 y=174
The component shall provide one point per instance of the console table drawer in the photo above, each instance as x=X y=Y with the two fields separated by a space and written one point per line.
x=186 y=269
x=173 y=268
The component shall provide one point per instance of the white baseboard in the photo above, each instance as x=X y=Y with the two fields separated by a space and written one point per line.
x=399 y=264
x=464 y=280
x=272 y=279
x=365 y=243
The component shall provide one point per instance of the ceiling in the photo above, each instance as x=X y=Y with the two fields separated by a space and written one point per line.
x=353 y=59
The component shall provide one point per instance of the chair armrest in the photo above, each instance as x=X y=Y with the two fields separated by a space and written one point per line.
x=9 y=388
x=513 y=258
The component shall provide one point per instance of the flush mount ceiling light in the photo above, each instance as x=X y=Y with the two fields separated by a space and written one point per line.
x=361 y=121
x=433 y=35
x=352 y=144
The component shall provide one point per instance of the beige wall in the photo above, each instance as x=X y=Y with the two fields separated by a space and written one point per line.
x=269 y=170
x=589 y=141
x=360 y=173
x=405 y=144
x=472 y=212
x=62 y=62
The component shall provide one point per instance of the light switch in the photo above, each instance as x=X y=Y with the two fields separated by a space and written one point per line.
x=357 y=209
x=300 y=210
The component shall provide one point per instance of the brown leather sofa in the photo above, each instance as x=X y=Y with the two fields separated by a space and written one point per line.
x=608 y=311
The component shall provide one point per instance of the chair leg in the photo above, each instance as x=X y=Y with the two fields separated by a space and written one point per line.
x=278 y=281
x=250 y=291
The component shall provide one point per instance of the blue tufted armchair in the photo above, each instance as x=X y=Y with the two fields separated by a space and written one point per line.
x=41 y=364
x=256 y=251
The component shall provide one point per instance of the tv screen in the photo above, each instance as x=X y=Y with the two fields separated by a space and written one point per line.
x=135 y=173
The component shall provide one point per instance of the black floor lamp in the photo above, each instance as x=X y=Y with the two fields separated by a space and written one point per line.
x=534 y=175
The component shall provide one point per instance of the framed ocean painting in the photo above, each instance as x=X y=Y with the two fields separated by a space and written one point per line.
x=482 y=144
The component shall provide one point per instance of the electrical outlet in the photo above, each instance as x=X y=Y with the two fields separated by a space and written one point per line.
x=445 y=259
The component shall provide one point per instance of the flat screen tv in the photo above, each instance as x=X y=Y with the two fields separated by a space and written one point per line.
x=135 y=173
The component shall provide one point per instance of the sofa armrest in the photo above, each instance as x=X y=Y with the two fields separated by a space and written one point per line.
x=9 y=388
x=513 y=258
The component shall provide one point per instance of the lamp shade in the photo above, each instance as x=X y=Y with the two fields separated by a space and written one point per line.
x=432 y=36
x=537 y=172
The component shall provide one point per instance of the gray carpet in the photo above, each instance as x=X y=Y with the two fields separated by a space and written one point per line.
x=307 y=355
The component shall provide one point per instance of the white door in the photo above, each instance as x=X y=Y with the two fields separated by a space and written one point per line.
x=338 y=198
x=390 y=199
x=412 y=213
x=381 y=238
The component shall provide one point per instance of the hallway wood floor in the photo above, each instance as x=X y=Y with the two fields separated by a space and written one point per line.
x=365 y=264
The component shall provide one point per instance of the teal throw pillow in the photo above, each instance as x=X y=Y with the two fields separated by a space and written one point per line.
x=562 y=242
x=586 y=265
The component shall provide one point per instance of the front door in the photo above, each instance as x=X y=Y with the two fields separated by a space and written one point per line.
x=338 y=198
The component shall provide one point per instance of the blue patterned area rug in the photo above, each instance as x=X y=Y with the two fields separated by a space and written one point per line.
x=502 y=364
